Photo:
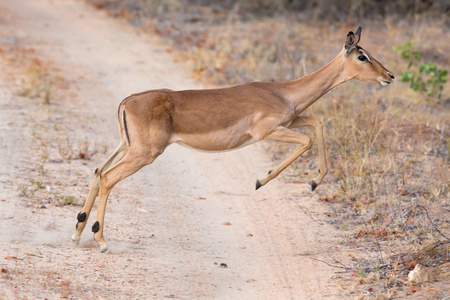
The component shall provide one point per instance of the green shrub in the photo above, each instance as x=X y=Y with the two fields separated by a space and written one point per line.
x=429 y=80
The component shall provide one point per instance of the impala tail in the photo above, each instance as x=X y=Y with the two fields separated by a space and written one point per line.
x=123 y=128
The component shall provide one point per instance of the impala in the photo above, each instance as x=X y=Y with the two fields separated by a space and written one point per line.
x=224 y=119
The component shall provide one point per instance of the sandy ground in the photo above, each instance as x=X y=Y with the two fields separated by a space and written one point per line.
x=165 y=225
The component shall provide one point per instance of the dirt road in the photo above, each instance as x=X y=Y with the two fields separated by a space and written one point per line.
x=165 y=225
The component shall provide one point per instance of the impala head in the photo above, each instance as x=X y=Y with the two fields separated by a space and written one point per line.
x=361 y=65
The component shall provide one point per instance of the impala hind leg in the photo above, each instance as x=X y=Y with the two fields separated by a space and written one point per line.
x=308 y=121
x=83 y=216
x=284 y=135
x=129 y=165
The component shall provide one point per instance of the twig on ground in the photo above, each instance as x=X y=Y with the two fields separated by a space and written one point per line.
x=331 y=265
x=432 y=224
x=307 y=212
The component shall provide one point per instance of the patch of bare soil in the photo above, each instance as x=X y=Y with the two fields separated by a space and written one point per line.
x=173 y=226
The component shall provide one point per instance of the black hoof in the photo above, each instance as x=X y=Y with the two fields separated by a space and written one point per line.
x=258 y=184
x=313 y=185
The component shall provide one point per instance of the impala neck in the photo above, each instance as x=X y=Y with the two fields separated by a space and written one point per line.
x=308 y=89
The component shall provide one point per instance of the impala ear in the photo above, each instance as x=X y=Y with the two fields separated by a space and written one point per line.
x=352 y=40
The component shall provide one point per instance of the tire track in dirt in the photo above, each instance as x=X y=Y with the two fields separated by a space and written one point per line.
x=164 y=224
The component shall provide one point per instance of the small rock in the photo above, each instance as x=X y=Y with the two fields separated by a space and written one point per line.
x=420 y=274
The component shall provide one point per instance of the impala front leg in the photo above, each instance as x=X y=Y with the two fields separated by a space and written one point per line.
x=308 y=121
x=284 y=135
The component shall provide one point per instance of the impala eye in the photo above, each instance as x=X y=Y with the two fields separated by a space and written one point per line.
x=362 y=58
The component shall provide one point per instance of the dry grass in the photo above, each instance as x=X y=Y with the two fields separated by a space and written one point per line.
x=389 y=182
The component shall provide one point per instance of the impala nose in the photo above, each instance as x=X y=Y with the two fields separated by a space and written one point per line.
x=384 y=80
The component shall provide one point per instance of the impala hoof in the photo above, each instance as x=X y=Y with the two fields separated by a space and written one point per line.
x=75 y=239
x=258 y=184
x=104 y=249
x=313 y=185
x=103 y=245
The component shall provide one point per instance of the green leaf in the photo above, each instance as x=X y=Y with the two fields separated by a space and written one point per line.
x=406 y=77
x=443 y=76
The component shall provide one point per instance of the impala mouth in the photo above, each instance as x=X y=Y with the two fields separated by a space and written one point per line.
x=384 y=82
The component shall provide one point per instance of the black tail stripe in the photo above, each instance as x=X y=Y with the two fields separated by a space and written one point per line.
x=125 y=126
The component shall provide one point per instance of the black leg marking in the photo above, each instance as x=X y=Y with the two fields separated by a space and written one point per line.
x=76 y=226
x=269 y=172
x=95 y=172
x=81 y=217
x=96 y=227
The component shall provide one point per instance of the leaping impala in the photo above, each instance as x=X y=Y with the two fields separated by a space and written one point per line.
x=224 y=119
